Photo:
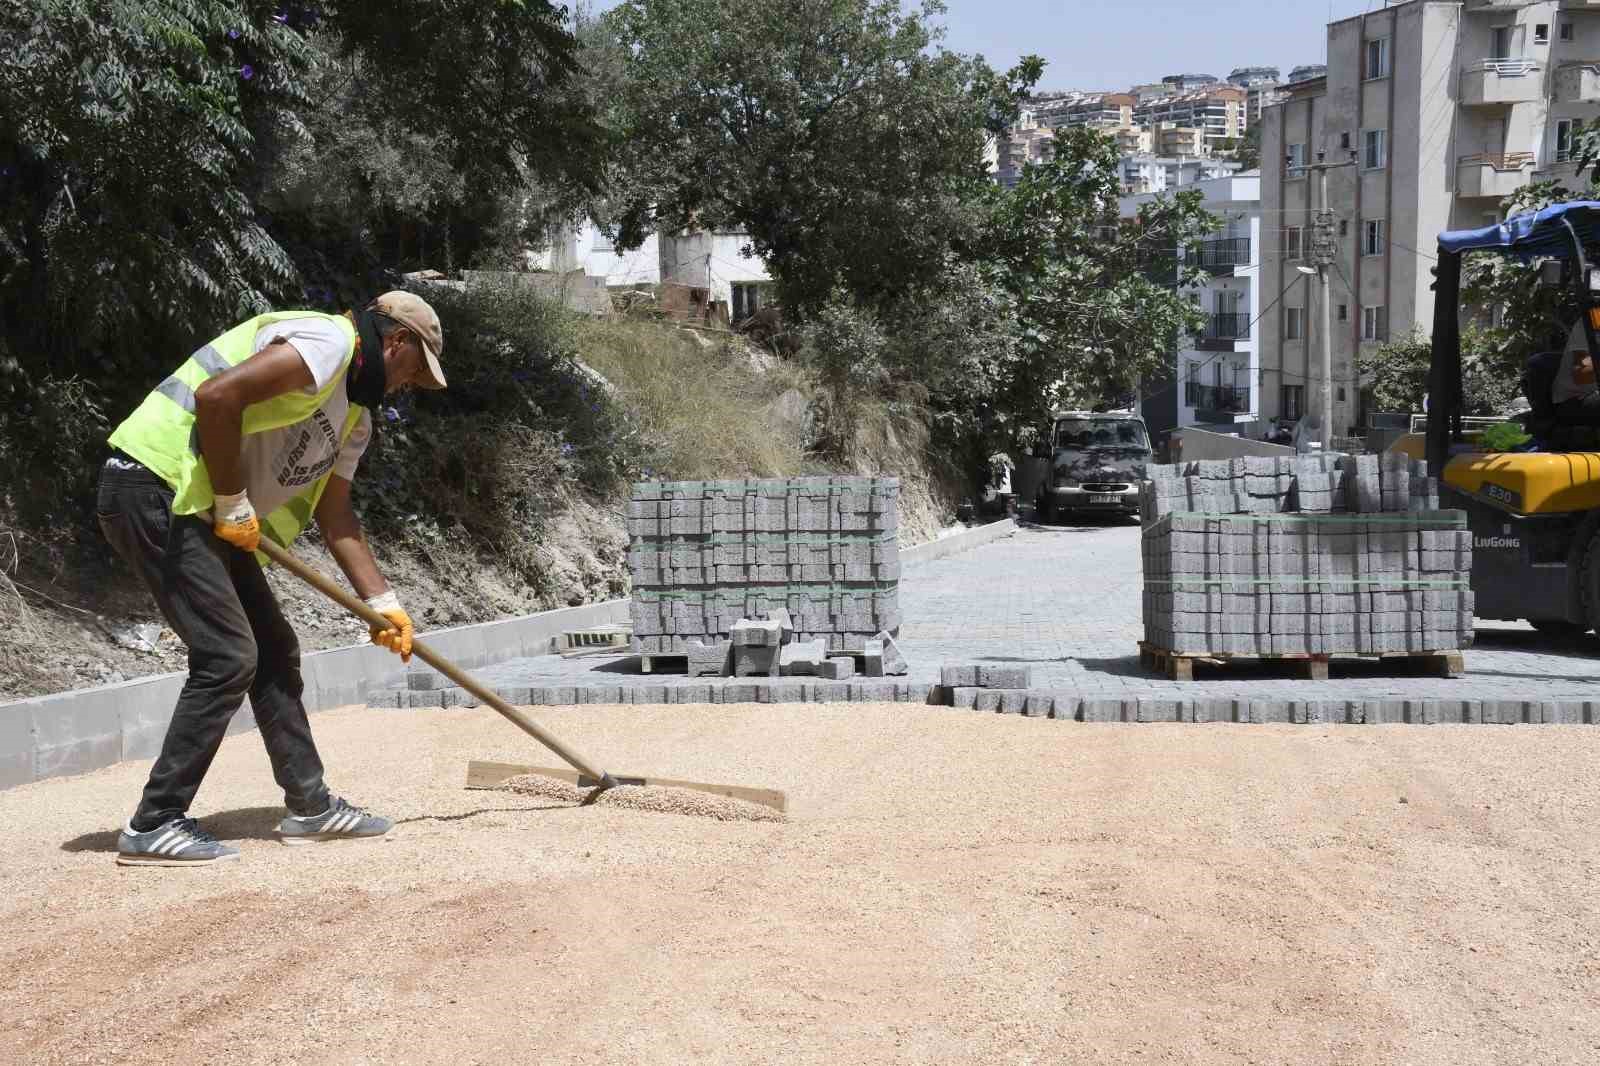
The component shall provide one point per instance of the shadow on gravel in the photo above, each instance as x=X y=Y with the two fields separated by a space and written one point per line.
x=1584 y=647
x=246 y=823
x=1267 y=669
x=464 y=815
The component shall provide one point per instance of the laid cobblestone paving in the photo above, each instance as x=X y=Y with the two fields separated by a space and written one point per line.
x=1065 y=601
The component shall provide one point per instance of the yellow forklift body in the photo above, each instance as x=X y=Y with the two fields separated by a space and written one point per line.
x=1520 y=482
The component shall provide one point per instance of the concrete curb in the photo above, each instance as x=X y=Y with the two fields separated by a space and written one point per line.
x=84 y=729
x=957 y=543
x=1034 y=703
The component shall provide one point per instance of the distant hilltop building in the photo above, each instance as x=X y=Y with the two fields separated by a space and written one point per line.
x=1308 y=72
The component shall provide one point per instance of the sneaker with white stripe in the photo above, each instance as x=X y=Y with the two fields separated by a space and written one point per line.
x=180 y=842
x=341 y=821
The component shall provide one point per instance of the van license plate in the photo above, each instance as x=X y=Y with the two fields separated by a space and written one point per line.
x=1107 y=498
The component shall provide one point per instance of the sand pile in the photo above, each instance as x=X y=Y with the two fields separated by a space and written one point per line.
x=657 y=798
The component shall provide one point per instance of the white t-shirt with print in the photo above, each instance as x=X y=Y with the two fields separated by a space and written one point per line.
x=280 y=464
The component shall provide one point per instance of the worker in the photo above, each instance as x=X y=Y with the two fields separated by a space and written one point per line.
x=256 y=433
x=1573 y=391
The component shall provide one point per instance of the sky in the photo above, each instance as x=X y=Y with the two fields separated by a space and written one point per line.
x=1112 y=44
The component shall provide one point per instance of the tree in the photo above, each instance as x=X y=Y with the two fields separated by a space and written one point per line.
x=837 y=133
x=1094 y=293
x=1397 y=373
x=1246 y=150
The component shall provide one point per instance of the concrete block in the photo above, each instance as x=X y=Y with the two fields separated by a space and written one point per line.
x=964 y=697
x=959 y=676
x=838 y=668
x=425 y=680
x=1039 y=704
x=587 y=694
x=81 y=732
x=1264 y=711
x=829 y=692
x=915 y=692
x=781 y=692
x=17 y=747
x=695 y=693
x=803 y=658
x=739 y=692
x=713 y=658
x=648 y=694
x=1504 y=712
x=1013 y=701
x=755 y=661
x=986 y=699
x=1101 y=709
x=1004 y=676
x=753 y=633
x=1066 y=707
x=385 y=699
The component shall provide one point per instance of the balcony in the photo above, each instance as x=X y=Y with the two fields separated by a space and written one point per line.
x=1221 y=330
x=1219 y=257
x=1487 y=175
x=1218 y=403
x=1578 y=83
x=1501 y=82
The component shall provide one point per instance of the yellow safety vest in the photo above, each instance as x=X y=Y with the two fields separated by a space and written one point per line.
x=161 y=432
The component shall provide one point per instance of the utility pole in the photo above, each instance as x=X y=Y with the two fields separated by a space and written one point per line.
x=1324 y=249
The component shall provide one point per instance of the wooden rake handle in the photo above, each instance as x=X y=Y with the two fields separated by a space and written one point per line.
x=449 y=669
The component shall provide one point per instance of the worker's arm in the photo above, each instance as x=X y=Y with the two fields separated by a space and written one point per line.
x=219 y=405
x=1583 y=371
x=341 y=532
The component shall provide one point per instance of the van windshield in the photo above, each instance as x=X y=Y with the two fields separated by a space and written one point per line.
x=1086 y=434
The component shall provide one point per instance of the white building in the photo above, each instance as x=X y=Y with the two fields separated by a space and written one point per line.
x=1214 y=376
x=1445 y=108
x=711 y=264
x=1142 y=173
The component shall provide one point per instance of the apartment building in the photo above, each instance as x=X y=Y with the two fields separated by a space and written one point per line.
x=1213 y=376
x=1143 y=172
x=1261 y=88
x=1444 y=108
x=1027 y=141
x=1108 y=112
x=1219 y=110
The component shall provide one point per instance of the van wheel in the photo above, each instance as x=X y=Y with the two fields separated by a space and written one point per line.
x=1043 y=512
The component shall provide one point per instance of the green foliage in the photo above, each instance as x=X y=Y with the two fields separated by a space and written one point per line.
x=1505 y=437
x=837 y=133
x=52 y=435
x=1246 y=150
x=1093 y=320
x=1398 y=374
x=493 y=453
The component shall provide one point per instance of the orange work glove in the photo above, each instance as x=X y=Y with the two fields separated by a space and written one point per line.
x=235 y=521
x=397 y=639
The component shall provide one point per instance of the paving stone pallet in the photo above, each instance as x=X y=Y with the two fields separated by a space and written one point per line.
x=706 y=554
x=1307 y=585
x=1180 y=667
x=1038 y=703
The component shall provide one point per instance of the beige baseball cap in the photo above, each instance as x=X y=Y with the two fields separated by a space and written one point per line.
x=413 y=312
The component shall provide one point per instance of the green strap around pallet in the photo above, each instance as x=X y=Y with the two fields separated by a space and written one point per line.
x=811 y=539
x=1412 y=519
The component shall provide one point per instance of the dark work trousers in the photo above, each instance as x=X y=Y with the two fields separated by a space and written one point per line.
x=217 y=600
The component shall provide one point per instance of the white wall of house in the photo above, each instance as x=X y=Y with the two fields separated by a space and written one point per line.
x=712 y=261
x=705 y=260
x=584 y=247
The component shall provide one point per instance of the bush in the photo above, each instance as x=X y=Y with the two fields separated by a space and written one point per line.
x=52 y=441
x=493 y=454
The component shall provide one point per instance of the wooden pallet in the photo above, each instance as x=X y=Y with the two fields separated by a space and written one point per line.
x=1179 y=666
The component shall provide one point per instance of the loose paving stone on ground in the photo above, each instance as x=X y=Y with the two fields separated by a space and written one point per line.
x=1063 y=603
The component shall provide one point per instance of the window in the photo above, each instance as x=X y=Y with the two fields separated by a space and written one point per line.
x=1294 y=323
x=1374 y=150
x=1294 y=242
x=1344 y=140
x=1293 y=404
x=1375 y=323
x=1372 y=237
x=1500 y=38
x=1566 y=31
x=1541 y=33
x=747 y=300
x=1344 y=312
x=1295 y=156
x=1378 y=58
x=1564 y=130
x=1344 y=227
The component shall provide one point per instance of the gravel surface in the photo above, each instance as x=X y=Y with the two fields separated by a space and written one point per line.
x=948 y=887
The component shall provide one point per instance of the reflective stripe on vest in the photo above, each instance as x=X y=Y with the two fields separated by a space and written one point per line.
x=163 y=435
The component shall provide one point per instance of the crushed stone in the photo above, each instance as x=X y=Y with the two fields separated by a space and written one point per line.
x=659 y=799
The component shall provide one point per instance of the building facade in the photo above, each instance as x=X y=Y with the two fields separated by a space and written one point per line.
x=1145 y=172
x=1444 y=109
x=1213 y=382
x=1219 y=110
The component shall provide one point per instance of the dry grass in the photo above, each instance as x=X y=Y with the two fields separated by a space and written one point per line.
x=701 y=406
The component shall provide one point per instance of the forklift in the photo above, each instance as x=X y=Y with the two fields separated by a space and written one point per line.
x=1534 y=516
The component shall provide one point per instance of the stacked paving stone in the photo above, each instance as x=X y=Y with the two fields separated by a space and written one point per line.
x=994 y=687
x=1303 y=484
x=707 y=554
x=1352 y=584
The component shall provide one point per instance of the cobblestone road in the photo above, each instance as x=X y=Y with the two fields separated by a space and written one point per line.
x=1065 y=602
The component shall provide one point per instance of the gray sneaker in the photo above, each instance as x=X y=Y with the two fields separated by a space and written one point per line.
x=341 y=821
x=180 y=842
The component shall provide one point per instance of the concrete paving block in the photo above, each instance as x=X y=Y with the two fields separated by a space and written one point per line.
x=894 y=663
x=1505 y=712
x=425 y=680
x=696 y=693
x=875 y=691
x=914 y=691
x=964 y=675
x=384 y=698
x=804 y=658
x=739 y=692
x=1215 y=710
x=647 y=694
x=1039 y=704
x=1067 y=707
x=964 y=697
x=837 y=668
x=587 y=694
x=1004 y=676
x=1269 y=711
x=783 y=692
x=1159 y=710
x=987 y=699
x=829 y=692
x=1563 y=712
x=516 y=695
x=1101 y=709
x=1013 y=701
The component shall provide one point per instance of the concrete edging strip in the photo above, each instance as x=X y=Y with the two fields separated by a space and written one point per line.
x=957 y=542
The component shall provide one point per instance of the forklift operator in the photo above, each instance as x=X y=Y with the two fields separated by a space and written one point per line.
x=1573 y=391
